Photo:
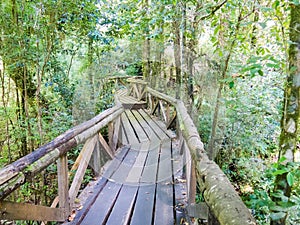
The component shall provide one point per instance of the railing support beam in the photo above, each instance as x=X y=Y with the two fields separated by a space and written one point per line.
x=63 y=185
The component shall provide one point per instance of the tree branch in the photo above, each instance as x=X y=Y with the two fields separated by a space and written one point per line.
x=215 y=9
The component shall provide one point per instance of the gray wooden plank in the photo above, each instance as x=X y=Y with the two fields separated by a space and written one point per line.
x=149 y=174
x=148 y=130
x=155 y=127
x=137 y=126
x=143 y=210
x=180 y=191
x=165 y=173
x=104 y=203
x=123 y=207
x=164 y=202
x=135 y=173
x=164 y=205
x=115 y=163
x=132 y=138
x=120 y=175
x=89 y=201
x=123 y=135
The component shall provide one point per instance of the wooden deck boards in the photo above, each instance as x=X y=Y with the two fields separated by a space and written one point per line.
x=140 y=186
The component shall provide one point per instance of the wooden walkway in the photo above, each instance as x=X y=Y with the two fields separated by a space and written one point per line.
x=143 y=183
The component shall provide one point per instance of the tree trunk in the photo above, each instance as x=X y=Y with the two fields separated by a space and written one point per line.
x=212 y=151
x=177 y=49
x=290 y=117
x=146 y=46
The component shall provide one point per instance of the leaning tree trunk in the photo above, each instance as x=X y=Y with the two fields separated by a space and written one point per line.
x=290 y=116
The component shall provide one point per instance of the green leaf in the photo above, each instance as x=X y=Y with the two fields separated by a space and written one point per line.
x=231 y=84
x=282 y=159
x=272 y=65
x=277 y=208
x=279 y=172
x=290 y=179
x=277 y=216
x=260 y=72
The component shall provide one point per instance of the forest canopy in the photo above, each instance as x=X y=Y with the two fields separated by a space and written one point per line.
x=234 y=63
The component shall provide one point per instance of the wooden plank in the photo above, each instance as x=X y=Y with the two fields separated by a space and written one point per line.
x=150 y=103
x=123 y=207
x=143 y=210
x=97 y=159
x=63 y=186
x=180 y=191
x=105 y=146
x=103 y=205
x=135 y=173
x=118 y=170
x=131 y=135
x=25 y=211
x=163 y=111
x=164 y=203
x=148 y=130
x=124 y=138
x=149 y=174
x=110 y=128
x=137 y=92
x=115 y=163
x=120 y=175
x=192 y=185
x=154 y=108
x=137 y=126
x=172 y=120
x=88 y=150
x=188 y=167
x=155 y=127
x=116 y=134
x=165 y=174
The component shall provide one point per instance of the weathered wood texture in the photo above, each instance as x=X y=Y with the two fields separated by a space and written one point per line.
x=140 y=183
x=15 y=174
x=25 y=211
x=217 y=190
x=63 y=185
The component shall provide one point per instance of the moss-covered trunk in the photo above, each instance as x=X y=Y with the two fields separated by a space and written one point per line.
x=290 y=117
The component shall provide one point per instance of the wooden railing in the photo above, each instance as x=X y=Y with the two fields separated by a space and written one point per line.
x=24 y=169
x=225 y=205
x=220 y=196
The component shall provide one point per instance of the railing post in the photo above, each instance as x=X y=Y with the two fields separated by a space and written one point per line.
x=63 y=185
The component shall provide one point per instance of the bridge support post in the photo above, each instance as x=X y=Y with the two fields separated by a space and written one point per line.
x=63 y=187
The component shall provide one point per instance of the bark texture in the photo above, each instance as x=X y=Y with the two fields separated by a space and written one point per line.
x=290 y=118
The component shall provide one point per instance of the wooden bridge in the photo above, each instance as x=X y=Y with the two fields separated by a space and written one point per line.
x=157 y=160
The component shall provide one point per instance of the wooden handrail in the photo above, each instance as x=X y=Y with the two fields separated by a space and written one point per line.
x=14 y=175
x=218 y=192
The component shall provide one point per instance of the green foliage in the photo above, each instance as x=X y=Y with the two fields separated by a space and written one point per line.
x=259 y=199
